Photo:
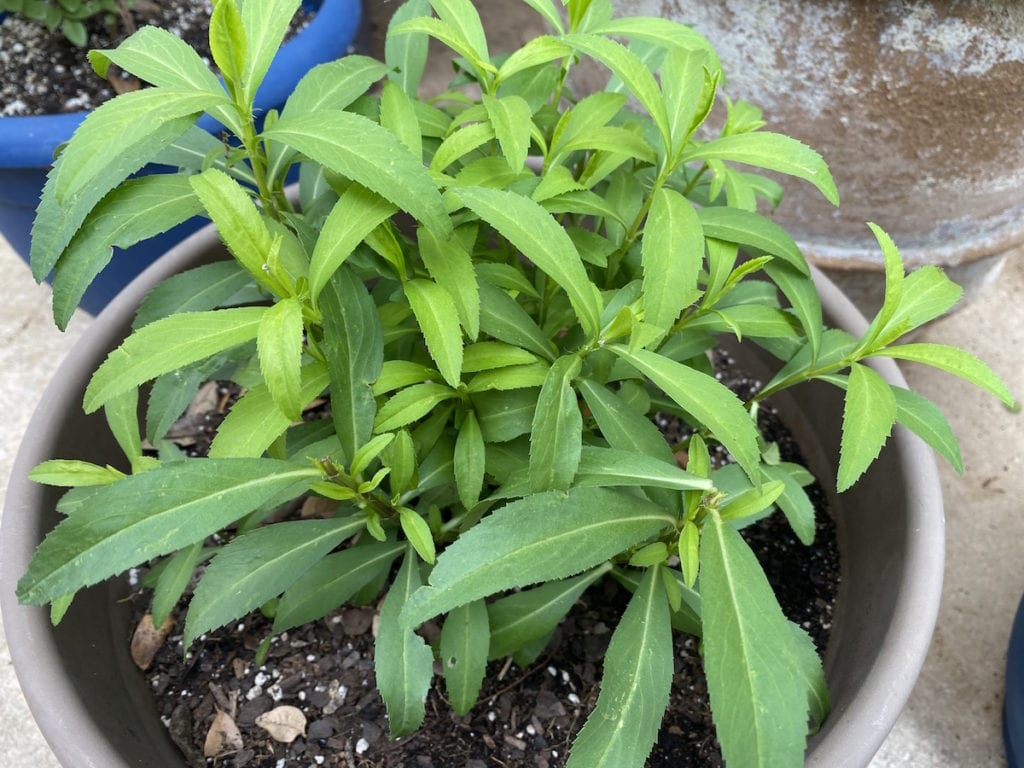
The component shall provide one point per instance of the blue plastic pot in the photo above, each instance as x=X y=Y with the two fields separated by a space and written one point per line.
x=27 y=145
x=1013 y=708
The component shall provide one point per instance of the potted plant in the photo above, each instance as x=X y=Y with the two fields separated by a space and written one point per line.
x=28 y=144
x=494 y=333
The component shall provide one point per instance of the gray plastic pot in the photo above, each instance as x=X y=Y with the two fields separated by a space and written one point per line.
x=93 y=705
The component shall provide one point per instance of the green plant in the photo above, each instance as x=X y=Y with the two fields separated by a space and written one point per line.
x=495 y=333
x=67 y=15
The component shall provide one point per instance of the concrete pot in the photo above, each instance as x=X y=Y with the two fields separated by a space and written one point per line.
x=915 y=105
x=27 y=145
x=93 y=706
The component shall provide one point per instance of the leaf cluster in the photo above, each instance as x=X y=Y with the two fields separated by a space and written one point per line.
x=497 y=287
x=68 y=16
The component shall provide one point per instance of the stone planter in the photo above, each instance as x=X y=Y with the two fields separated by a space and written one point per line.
x=93 y=705
x=915 y=106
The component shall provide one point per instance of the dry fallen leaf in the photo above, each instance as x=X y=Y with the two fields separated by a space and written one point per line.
x=223 y=736
x=284 y=723
x=318 y=507
x=147 y=640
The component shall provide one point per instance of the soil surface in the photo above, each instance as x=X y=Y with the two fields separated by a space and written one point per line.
x=525 y=717
x=42 y=73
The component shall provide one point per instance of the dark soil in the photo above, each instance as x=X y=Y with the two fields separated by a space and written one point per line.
x=523 y=718
x=42 y=73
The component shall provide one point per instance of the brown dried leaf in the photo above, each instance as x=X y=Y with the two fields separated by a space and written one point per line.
x=284 y=723
x=223 y=736
x=318 y=507
x=147 y=640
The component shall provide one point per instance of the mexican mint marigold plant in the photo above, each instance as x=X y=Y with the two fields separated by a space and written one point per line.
x=497 y=287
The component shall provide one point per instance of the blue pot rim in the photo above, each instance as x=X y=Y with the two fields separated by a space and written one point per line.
x=29 y=142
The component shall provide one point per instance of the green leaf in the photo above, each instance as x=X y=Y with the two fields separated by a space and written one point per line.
x=411 y=404
x=752 y=501
x=512 y=120
x=689 y=553
x=672 y=253
x=194 y=290
x=505 y=416
x=611 y=139
x=502 y=317
x=510 y=377
x=174 y=579
x=403 y=662
x=151 y=514
x=470 y=456
x=115 y=140
x=465 y=637
x=280 y=343
x=532 y=614
x=813 y=676
x=163 y=59
x=708 y=400
x=491 y=355
x=684 y=77
x=793 y=501
x=460 y=143
x=334 y=84
x=354 y=346
x=168 y=344
x=357 y=213
x=868 y=415
x=749 y=229
x=363 y=151
x=624 y=428
x=925 y=420
x=628 y=67
x=539 y=237
x=238 y=221
x=958 y=362
x=266 y=23
x=259 y=566
x=435 y=313
x=462 y=16
x=613 y=467
x=452 y=37
x=536 y=52
x=418 y=533
x=927 y=293
x=556 y=435
x=406 y=55
x=255 y=421
x=894 y=280
x=513 y=546
x=73 y=474
x=228 y=45
x=398 y=115
x=332 y=581
x=772 y=151
x=122 y=414
x=758 y=702
x=547 y=9
x=635 y=686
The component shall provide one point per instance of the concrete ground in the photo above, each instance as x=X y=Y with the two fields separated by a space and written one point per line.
x=953 y=718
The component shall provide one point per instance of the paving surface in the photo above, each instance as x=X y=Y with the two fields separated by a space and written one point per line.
x=953 y=718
